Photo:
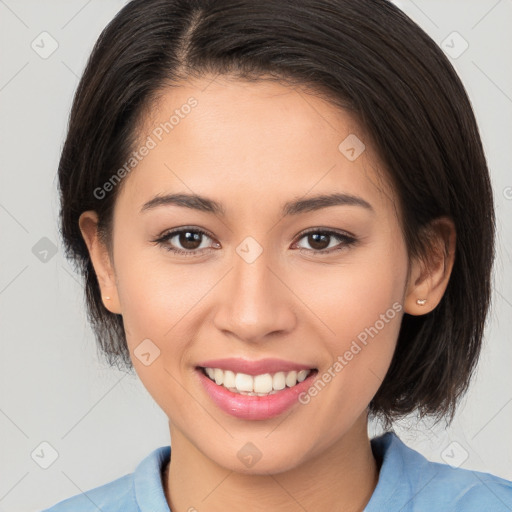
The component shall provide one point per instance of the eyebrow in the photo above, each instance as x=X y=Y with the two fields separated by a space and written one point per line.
x=204 y=204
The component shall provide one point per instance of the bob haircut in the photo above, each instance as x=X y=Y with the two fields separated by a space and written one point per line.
x=364 y=56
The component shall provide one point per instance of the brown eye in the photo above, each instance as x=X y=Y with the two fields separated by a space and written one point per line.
x=189 y=239
x=319 y=241
x=324 y=241
x=186 y=241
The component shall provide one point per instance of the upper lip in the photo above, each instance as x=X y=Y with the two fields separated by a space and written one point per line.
x=259 y=367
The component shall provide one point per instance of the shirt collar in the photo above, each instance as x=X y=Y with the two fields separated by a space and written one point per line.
x=148 y=485
x=150 y=497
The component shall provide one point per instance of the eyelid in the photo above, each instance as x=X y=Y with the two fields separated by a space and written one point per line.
x=174 y=231
x=330 y=231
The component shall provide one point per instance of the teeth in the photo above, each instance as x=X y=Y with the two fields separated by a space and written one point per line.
x=258 y=385
x=218 y=376
x=302 y=375
x=229 y=379
x=279 y=381
x=243 y=382
x=263 y=383
x=291 y=379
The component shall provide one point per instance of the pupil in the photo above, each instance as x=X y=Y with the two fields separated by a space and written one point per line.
x=315 y=242
x=190 y=240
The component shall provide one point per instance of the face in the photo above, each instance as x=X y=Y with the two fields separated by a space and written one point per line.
x=273 y=282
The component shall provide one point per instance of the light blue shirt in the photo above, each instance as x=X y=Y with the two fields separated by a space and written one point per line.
x=408 y=482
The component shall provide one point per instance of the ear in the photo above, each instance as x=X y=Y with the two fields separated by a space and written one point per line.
x=100 y=258
x=429 y=276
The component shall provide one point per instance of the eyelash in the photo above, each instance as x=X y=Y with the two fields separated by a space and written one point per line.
x=346 y=241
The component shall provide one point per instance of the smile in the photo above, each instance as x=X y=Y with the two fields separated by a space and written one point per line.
x=256 y=385
x=254 y=390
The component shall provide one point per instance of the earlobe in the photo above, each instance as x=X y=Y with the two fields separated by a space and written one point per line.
x=100 y=258
x=429 y=276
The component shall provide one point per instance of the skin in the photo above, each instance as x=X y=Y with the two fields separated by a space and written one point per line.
x=251 y=147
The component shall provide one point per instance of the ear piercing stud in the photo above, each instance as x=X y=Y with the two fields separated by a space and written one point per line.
x=421 y=302
x=106 y=298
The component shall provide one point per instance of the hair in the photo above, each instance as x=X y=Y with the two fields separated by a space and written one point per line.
x=365 y=56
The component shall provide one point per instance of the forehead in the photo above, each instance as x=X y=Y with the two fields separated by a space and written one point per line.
x=248 y=142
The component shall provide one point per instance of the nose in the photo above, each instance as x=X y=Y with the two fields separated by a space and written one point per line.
x=255 y=303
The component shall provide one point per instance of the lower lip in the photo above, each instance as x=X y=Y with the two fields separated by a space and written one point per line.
x=248 y=407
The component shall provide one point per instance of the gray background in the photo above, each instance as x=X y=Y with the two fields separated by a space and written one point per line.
x=99 y=421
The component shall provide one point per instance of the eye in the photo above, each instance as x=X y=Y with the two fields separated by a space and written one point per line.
x=191 y=241
x=320 y=241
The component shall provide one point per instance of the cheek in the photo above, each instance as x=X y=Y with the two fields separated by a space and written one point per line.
x=361 y=304
x=351 y=297
x=160 y=300
x=159 y=303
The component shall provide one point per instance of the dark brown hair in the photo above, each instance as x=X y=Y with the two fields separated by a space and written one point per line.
x=365 y=56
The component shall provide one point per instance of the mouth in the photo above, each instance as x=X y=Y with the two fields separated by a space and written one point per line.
x=254 y=390
x=264 y=384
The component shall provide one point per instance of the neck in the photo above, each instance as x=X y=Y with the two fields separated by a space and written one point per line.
x=340 y=478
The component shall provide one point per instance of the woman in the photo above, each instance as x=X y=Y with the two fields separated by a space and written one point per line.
x=274 y=206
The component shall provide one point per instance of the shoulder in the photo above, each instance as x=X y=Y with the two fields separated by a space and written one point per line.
x=111 y=497
x=139 y=491
x=411 y=483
